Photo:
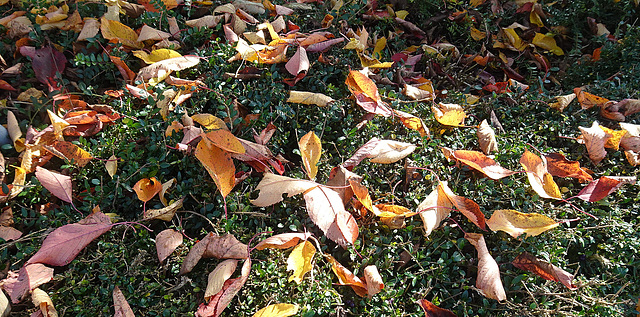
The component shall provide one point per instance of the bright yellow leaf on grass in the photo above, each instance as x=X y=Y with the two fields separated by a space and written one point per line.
x=381 y=43
x=516 y=223
x=310 y=150
x=58 y=124
x=449 y=114
x=514 y=39
x=616 y=136
x=309 y=98
x=111 y=165
x=277 y=310
x=548 y=43
x=209 y=121
x=477 y=34
x=114 y=30
x=299 y=261
x=224 y=140
x=156 y=55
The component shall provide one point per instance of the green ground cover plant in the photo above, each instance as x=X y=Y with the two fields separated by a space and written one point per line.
x=594 y=46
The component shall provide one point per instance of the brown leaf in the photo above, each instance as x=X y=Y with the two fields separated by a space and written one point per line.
x=466 y=206
x=30 y=276
x=166 y=242
x=431 y=310
x=558 y=165
x=221 y=300
x=479 y=162
x=62 y=245
x=488 y=271
x=166 y=213
x=603 y=186
x=158 y=71
x=541 y=181
x=373 y=280
x=149 y=33
x=546 y=270
x=282 y=241
x=487 y=138
x=59 y=185
x=72 y=152
x=214 y=246
x=120 y=304
x=326 y=210
x=619 y=110
x=562 y=102
x=346 y=277
x=595 y=138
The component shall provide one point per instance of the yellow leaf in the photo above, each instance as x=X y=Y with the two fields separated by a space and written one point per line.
x=514 y=39
x=219 y=164
x=310 y=150
x=58 y=124
x=114 y=30
x=309 y=98
x=449 y=114
x=299 y=261
x=111 y=165
x=224 y=140
x=402 y=14
x=616 y=136
x=277 y=310
x=535 y=18
x=165 y=187
x=516 y=223
x=73 y=152
x=548 y=43
x=209 y=121
x=381 y=43
x=477 y=34
x=156 y=55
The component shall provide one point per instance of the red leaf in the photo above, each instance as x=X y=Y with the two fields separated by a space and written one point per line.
x=602 y=187
x=431 y=310
x=59 y=185
x=120 y=304
x=46 y=62
x=63 y=244
x=221 y=300
x=546 y=270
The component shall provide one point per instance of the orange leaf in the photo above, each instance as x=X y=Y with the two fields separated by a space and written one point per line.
x=346 y=277
x=73 y=152
x=558 y=165
x=541 y=181
x=466 y=206
x=588 y=100
x=488 y=271
x=147 y=188
x=310 y=150
x=362 y=194
x=412 y=122
x=282 y=241
x=546 y=270
x=218 y=163
x=125 y=71
x=81 y=117
x=432 y=310
x=224 y=140
x=358 y=82
x=479 y=162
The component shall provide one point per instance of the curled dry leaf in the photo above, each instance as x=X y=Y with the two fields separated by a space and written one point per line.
x=43 y=303
x=147 y=188
x=326 y=210
x=214 y=246
x=541 y=181
x=487 y=138
x=558 y=165
x=277 y=310
x=299 y=62
x=546 y=270
x=389 y=151
x=479 y=162
x=449 y=114
x=120 y=304
x=309 y=98
x=166 y=242
x=392 y=215
x=488 y=271
x=62 y=245
x=299 y=261
x=603 y=186
x=165 y=187
x=158 y=71
x=30 y=276
x=272 y=187
x=310 y=150
x=516 y=223
x=59 y=185
x=166 y=213
x=221 y=300
x=432 y=310
x=561 y=102
x=595 y=138
x=619 y=110
x=430 y=211
x=588 y=100
x=346 y=277
x=373 y=280
x=218 y=276
x=282 y=241
x=412 y=122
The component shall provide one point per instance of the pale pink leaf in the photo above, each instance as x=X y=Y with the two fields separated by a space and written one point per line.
x=488 y=271
x=9 y=233
x=326 y=210
x=166 y=242
x=324 y=45
x=63 y=244
x=120 y=304
x=282 y=241
x=59 y=185
x=214 y=246
x=28 y=278
x=221 y=300
x=298 y=63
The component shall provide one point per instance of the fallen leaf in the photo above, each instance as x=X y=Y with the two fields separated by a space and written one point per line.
x=433 y=209
x=299 y=62
x=211 y=122
x=309 y=98
x=366 y=93
x=225 y=140
x=218 y=164
x=214 y=246
x=412 y=122
x=561 y=102
x=73 y=153
x=277 y=310
x=326 y=210
x=595 y=138
x=389 y=151
x=5 y=307
x=526 y=261
x=603 y=186
x=156 y=55
x=114 y=30
x=158 y=71
x=43 y=303
x=516 y=223
x=310 y=150
x=346 y=277
x=487 y=138
x=272 y=187
x=147 y=188
x=30 y=276
x=466 y=206
x=166 y=242
x=218 y=276
x=111 y=165
x=558 y=165
x=165 y=187
x=540 y=180
x=62 y=245
x=449 y=114
x=488 y=280
x=221 y=300
x=548 y=43
x=619 y=110
x=373 y=280
x=479 y=162
x=46 y=63
x=299 y=261
x=9 y=233
x=588 y=100
x=166 y=213
x=282 y=241
x=149 y=33
x=120 y=304
x=431 y=310
x=59 y=185
x=361 y=193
